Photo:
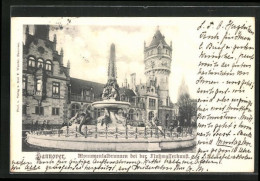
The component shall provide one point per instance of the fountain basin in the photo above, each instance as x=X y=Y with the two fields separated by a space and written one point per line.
x=111 y=104
x=110 y=144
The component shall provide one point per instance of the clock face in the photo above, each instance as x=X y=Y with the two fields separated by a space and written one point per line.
x=164 y=63
x=150 y=64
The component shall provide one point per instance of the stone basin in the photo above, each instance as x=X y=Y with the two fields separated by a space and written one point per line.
x=111 y=104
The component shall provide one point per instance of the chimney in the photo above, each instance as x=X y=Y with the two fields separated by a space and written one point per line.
x=54 y=42
x=68 y=66
x=133 y=81
x=26 y=34
x=125 y=83
x=61 y=56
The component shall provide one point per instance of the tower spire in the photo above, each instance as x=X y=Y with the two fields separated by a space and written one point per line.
x=112 y=64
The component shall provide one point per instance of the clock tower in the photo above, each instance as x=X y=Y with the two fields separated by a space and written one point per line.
x=157 y=59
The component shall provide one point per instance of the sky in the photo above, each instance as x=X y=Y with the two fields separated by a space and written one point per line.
x=87 y=45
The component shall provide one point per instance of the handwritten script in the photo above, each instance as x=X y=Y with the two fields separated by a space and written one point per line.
x=225 y=91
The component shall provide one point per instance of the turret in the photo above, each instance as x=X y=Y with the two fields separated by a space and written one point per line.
x=158 y=65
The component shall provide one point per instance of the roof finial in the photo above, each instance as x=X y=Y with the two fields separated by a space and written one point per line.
x=27 y=29
x=68 y=64
x=55 y=38
x=158 y=27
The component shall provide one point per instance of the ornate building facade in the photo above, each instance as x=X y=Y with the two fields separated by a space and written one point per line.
x=46 y=81
x=154 y=94
x=49 y=93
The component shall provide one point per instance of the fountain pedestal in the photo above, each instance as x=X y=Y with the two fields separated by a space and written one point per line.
x=111 y=108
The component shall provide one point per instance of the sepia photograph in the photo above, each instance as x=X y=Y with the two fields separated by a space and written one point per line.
x=133 y=95
x=107 y=88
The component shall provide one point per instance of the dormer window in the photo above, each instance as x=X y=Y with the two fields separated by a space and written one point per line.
x=31 y=62
x=48 y=65
x=122 y=98
x=40 y=63
x=159 y=50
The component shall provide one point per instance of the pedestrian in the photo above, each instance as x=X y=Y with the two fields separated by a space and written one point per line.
x=36 y=126
x=43 y=125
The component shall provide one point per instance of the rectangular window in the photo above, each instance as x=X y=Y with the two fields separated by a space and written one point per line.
x=56 y=89
x=24 y=83
x=39 y=110
x=55 y=111
x=152 y=103
x=24 y=109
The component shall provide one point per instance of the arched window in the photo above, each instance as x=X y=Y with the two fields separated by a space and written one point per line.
x=48 y=65
x=31 y=62
x=39 y=85
x=131 y=113
x=123 y=98
x=159 y=50
x=74 y=109
x=40 y=63
x=151 y=115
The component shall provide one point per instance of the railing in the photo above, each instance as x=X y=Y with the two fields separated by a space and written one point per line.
x=127 y=133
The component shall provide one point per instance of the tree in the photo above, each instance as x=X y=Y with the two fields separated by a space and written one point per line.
x=187 y=109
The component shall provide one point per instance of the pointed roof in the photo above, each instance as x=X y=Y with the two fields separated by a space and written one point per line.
x=78 y=84
x=157 y=39
x=126 y=91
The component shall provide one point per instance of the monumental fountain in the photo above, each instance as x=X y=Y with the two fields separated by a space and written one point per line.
x=110 y=97
x=111 y=132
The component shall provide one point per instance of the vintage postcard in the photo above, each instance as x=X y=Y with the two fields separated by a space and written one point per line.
x=140 y=94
